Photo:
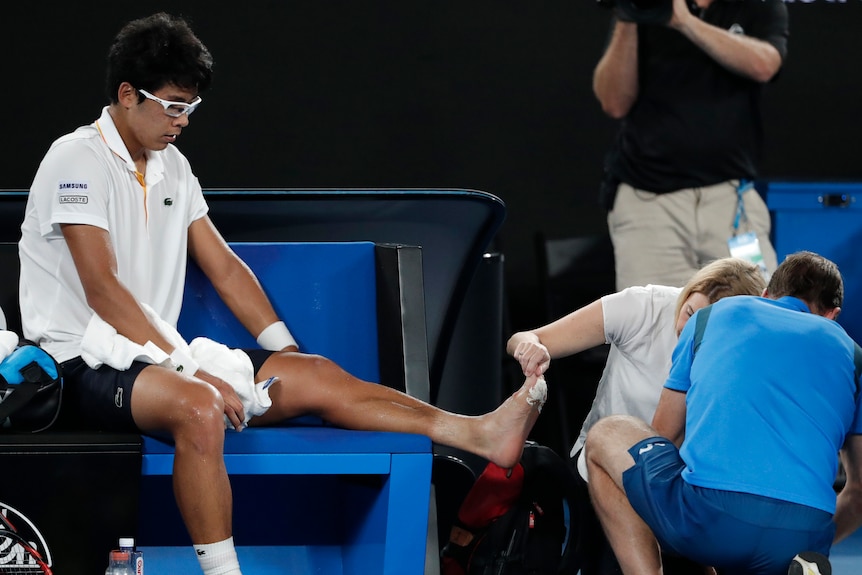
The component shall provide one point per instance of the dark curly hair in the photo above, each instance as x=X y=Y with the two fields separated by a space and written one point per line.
x=809 y=277
x=155 y=51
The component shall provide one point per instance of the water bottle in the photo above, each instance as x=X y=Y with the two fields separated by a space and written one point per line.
x=136 y=558
x=119 y=563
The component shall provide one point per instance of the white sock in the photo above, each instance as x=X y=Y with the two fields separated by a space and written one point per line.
x=218 y=558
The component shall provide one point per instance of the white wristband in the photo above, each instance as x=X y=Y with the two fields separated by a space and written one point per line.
x=183 y=362
x=276 y=337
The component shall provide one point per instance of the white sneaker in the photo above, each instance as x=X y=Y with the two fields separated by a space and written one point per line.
x=810 y=563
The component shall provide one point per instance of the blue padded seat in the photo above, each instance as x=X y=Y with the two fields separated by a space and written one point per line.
x=325 y=292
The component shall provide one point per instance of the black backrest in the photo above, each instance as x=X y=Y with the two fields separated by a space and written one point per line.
x=9 y=273
x=574 y=271
x=452 y=227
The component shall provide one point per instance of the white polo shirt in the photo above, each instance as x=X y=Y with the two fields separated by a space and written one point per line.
x=640 y=328
x=88 y=177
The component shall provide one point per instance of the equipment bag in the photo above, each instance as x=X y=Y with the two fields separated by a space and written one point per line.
x=31 y=389
x=517 y=522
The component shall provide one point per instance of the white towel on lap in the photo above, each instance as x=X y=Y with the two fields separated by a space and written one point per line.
x=233 y=366
x=102 y=345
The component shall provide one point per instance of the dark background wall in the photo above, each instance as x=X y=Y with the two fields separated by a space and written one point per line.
x=490 y=95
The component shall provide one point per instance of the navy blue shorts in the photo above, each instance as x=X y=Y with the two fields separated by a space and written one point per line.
x=98 y=399
x=740 y=532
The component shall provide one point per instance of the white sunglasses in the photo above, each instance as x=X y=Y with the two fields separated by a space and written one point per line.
x=173 y=109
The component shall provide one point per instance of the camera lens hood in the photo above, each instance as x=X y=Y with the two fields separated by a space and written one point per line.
x=645 y=11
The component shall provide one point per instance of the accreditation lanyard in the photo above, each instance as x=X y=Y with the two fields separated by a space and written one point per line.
x=745 y=246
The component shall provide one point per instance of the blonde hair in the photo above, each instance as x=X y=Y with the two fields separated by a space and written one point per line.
x=721 y=278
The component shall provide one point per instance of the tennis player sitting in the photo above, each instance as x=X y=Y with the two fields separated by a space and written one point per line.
x=112 y=215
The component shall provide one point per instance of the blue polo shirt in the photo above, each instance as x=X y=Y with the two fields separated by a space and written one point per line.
x=771 y=396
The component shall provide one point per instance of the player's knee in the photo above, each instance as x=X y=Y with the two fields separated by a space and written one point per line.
x=305 y=366
x=201 y=408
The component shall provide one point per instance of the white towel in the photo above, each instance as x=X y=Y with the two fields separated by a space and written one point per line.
x=102 y=345
x=233 y=366
x=8 y=343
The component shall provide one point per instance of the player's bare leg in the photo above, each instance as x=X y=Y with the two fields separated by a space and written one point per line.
x=312 y=384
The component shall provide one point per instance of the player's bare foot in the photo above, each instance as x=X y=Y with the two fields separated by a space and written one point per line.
x=505 y=429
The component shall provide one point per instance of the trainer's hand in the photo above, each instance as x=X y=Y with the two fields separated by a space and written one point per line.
x=533 y=358
x=232 y=404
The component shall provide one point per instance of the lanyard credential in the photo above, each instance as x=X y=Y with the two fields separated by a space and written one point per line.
x=745 y=246
x=744 y=186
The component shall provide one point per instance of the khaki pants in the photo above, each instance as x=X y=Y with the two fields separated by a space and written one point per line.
x=665 y=238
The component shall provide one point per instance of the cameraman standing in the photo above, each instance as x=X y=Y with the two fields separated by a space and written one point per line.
x=686 y=81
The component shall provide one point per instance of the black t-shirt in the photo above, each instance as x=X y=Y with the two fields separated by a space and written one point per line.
x=695 y=123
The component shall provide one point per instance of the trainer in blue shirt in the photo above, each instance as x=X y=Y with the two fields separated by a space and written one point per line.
x=737 y=469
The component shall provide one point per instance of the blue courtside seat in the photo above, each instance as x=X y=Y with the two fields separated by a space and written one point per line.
x=325 y=292
x=307 y=498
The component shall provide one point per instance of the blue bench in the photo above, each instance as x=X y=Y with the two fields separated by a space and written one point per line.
x=310 y=497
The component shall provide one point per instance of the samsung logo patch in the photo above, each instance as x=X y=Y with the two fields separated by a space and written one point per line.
x=73 y=192
x=73 y=186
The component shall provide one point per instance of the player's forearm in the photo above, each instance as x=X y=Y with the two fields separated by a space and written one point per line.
x=116 y=305
x=244 y=296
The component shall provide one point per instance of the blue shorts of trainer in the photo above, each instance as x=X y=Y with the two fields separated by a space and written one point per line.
x=97 y=399
x=740 y=533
